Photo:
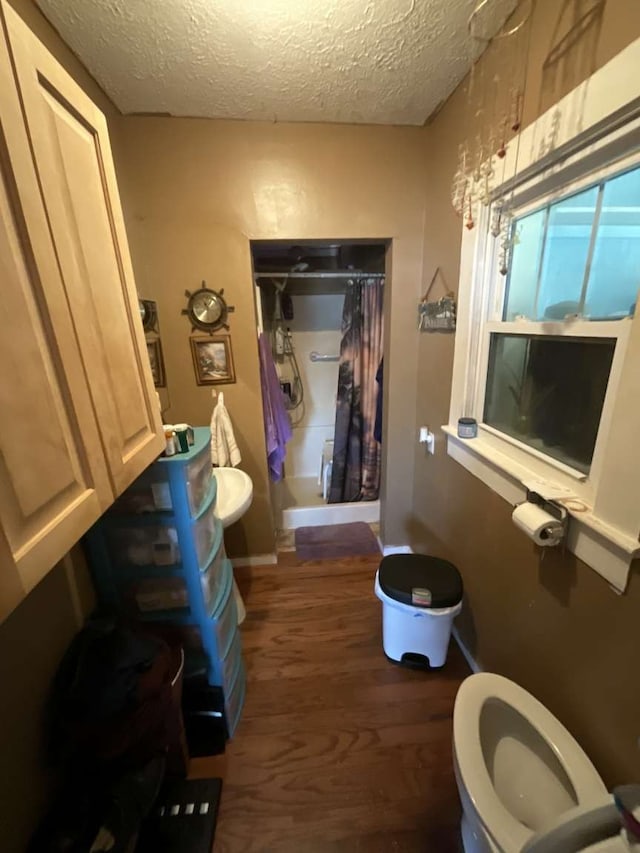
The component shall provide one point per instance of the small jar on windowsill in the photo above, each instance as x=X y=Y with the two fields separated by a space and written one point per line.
x=467 y=428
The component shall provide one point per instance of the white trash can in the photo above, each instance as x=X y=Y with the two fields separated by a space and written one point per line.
x=420 y=598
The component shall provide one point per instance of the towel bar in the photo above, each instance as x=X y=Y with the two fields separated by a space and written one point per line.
x=317 y=356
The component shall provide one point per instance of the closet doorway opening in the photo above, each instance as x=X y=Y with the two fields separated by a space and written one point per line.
x=320 y=319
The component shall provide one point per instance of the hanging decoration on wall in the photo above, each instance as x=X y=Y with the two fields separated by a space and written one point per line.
x=207 y=309
x=156 y=359
x=148 y=314
x=151 y=325
x=495 y=99
x=439 y=314
x=567 y=67
x=212 y=360
x=572 y=56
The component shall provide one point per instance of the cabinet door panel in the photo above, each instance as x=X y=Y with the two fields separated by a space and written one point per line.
x=53 y=478
x=11 y=587
x=74 y=164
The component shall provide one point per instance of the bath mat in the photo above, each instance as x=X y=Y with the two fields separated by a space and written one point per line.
x=332 y=541
x=183 y=819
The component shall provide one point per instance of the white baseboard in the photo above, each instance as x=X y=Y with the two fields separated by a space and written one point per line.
x=473 y=664
x=394 y=549
x=257 y=560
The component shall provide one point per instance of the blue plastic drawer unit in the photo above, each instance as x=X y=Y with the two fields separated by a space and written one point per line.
x=234 y=699
x=182 y=481
x=231 y=663
x=158 y=556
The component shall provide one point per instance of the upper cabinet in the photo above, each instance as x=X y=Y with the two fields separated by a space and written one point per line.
x=73 y=160
x=79 y=419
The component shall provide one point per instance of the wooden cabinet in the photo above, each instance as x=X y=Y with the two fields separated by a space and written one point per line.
x=74 y=164
x=78 y=412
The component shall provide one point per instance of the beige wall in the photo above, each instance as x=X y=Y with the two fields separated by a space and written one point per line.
x=32 y=642
x=553 y=626
x=196 y=191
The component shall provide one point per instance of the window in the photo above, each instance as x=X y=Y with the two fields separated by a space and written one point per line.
x=575 y=260
x=548 y=392
x=546 y=356
x=579 y=255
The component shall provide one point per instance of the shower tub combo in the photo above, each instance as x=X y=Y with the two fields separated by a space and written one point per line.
x=300 y=306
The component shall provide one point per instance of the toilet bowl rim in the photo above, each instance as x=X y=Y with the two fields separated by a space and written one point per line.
x=509 y=832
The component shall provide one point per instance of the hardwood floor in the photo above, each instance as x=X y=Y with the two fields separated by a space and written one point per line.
x=338 y=750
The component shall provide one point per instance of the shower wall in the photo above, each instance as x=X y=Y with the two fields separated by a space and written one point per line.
x=315 y=327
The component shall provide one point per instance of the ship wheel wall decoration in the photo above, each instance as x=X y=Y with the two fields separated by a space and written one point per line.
x=207 y=309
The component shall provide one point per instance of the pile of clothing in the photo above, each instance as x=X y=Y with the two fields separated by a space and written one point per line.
x=114 y=720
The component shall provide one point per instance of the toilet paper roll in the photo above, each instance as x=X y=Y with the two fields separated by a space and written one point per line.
x=539 y=525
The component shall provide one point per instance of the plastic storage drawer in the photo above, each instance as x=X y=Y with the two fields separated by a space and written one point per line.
x=216 y=635
x=231 y=662
x=204 y=533
x=155 y=542
x=149 y=493
x=225 y=620
x=153 y=594
x=156 y=592
x=234 y=700
x=141 y=545
x=200 y=640
x=153 y=491
x=199 y=481
x=212 y=578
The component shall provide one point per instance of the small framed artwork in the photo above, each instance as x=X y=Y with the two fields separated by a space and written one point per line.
x=154 y=349
x=213 y=360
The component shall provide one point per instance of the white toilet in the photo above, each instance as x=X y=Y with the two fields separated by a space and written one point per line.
x=517 y=768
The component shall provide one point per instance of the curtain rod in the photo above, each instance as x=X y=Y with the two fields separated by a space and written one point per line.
x=344 y=274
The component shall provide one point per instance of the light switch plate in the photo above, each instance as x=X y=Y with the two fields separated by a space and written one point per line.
x=425 y=436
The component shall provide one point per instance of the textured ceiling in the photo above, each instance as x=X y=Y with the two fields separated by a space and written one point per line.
x=361 y=61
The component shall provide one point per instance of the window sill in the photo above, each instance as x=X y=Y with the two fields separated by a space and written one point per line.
x=604 y=548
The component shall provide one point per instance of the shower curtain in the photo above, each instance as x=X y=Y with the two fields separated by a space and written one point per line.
x=356 y=457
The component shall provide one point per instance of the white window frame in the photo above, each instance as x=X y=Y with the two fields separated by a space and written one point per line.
x=606 y=534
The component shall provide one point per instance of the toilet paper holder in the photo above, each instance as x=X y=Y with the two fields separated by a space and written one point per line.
x=558 y=511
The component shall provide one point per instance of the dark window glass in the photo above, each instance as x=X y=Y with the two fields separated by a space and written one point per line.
x=548 y=392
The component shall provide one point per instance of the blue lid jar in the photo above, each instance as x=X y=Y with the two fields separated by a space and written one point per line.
x=467 y=427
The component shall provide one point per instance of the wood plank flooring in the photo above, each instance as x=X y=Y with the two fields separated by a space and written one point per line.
x=338 y=750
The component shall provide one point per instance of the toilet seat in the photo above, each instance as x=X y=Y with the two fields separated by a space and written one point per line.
x=505 y=830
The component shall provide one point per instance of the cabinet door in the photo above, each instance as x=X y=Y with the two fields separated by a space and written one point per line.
x=53 y=479
x=12 y=589
x=73 y=160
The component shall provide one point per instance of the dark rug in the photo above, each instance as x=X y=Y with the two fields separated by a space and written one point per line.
x=332 y=541
x=183 y=819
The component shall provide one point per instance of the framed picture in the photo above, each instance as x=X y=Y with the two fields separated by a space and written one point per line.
x=154 y=349
x=213 y=360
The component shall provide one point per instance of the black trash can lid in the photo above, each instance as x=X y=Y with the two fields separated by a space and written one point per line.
x=420 y=581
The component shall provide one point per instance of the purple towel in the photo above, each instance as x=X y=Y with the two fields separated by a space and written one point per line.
x=277 y=424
